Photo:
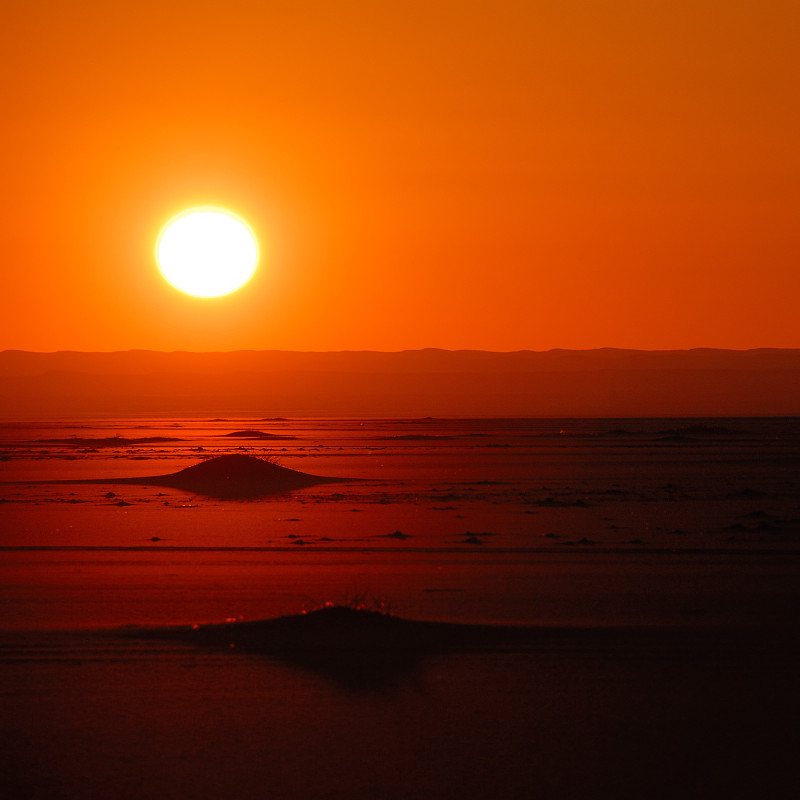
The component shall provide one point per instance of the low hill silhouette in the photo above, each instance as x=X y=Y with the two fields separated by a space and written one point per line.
x=233 y=476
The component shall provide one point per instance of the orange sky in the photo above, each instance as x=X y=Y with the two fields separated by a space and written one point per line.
x=493 y=175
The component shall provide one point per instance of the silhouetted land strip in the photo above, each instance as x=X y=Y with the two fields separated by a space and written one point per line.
x=109 y=441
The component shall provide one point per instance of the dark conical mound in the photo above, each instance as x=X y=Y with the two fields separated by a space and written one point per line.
x=338 y=628
x=358 y=648
x=254 y=434
x=235 y=476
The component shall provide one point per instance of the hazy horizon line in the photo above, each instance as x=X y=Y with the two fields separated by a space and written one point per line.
x=700 y=348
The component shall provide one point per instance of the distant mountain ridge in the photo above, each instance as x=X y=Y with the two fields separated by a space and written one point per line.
x=19 y=362
x=431 y=382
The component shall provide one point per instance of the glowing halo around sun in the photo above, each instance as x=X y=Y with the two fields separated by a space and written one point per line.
x=207 y=252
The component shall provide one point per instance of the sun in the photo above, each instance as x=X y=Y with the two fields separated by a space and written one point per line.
x=207 y=252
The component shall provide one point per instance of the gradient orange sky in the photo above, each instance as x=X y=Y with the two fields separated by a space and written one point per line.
x=493 y=175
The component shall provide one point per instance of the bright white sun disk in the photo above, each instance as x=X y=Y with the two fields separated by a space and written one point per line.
x=207 y=252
